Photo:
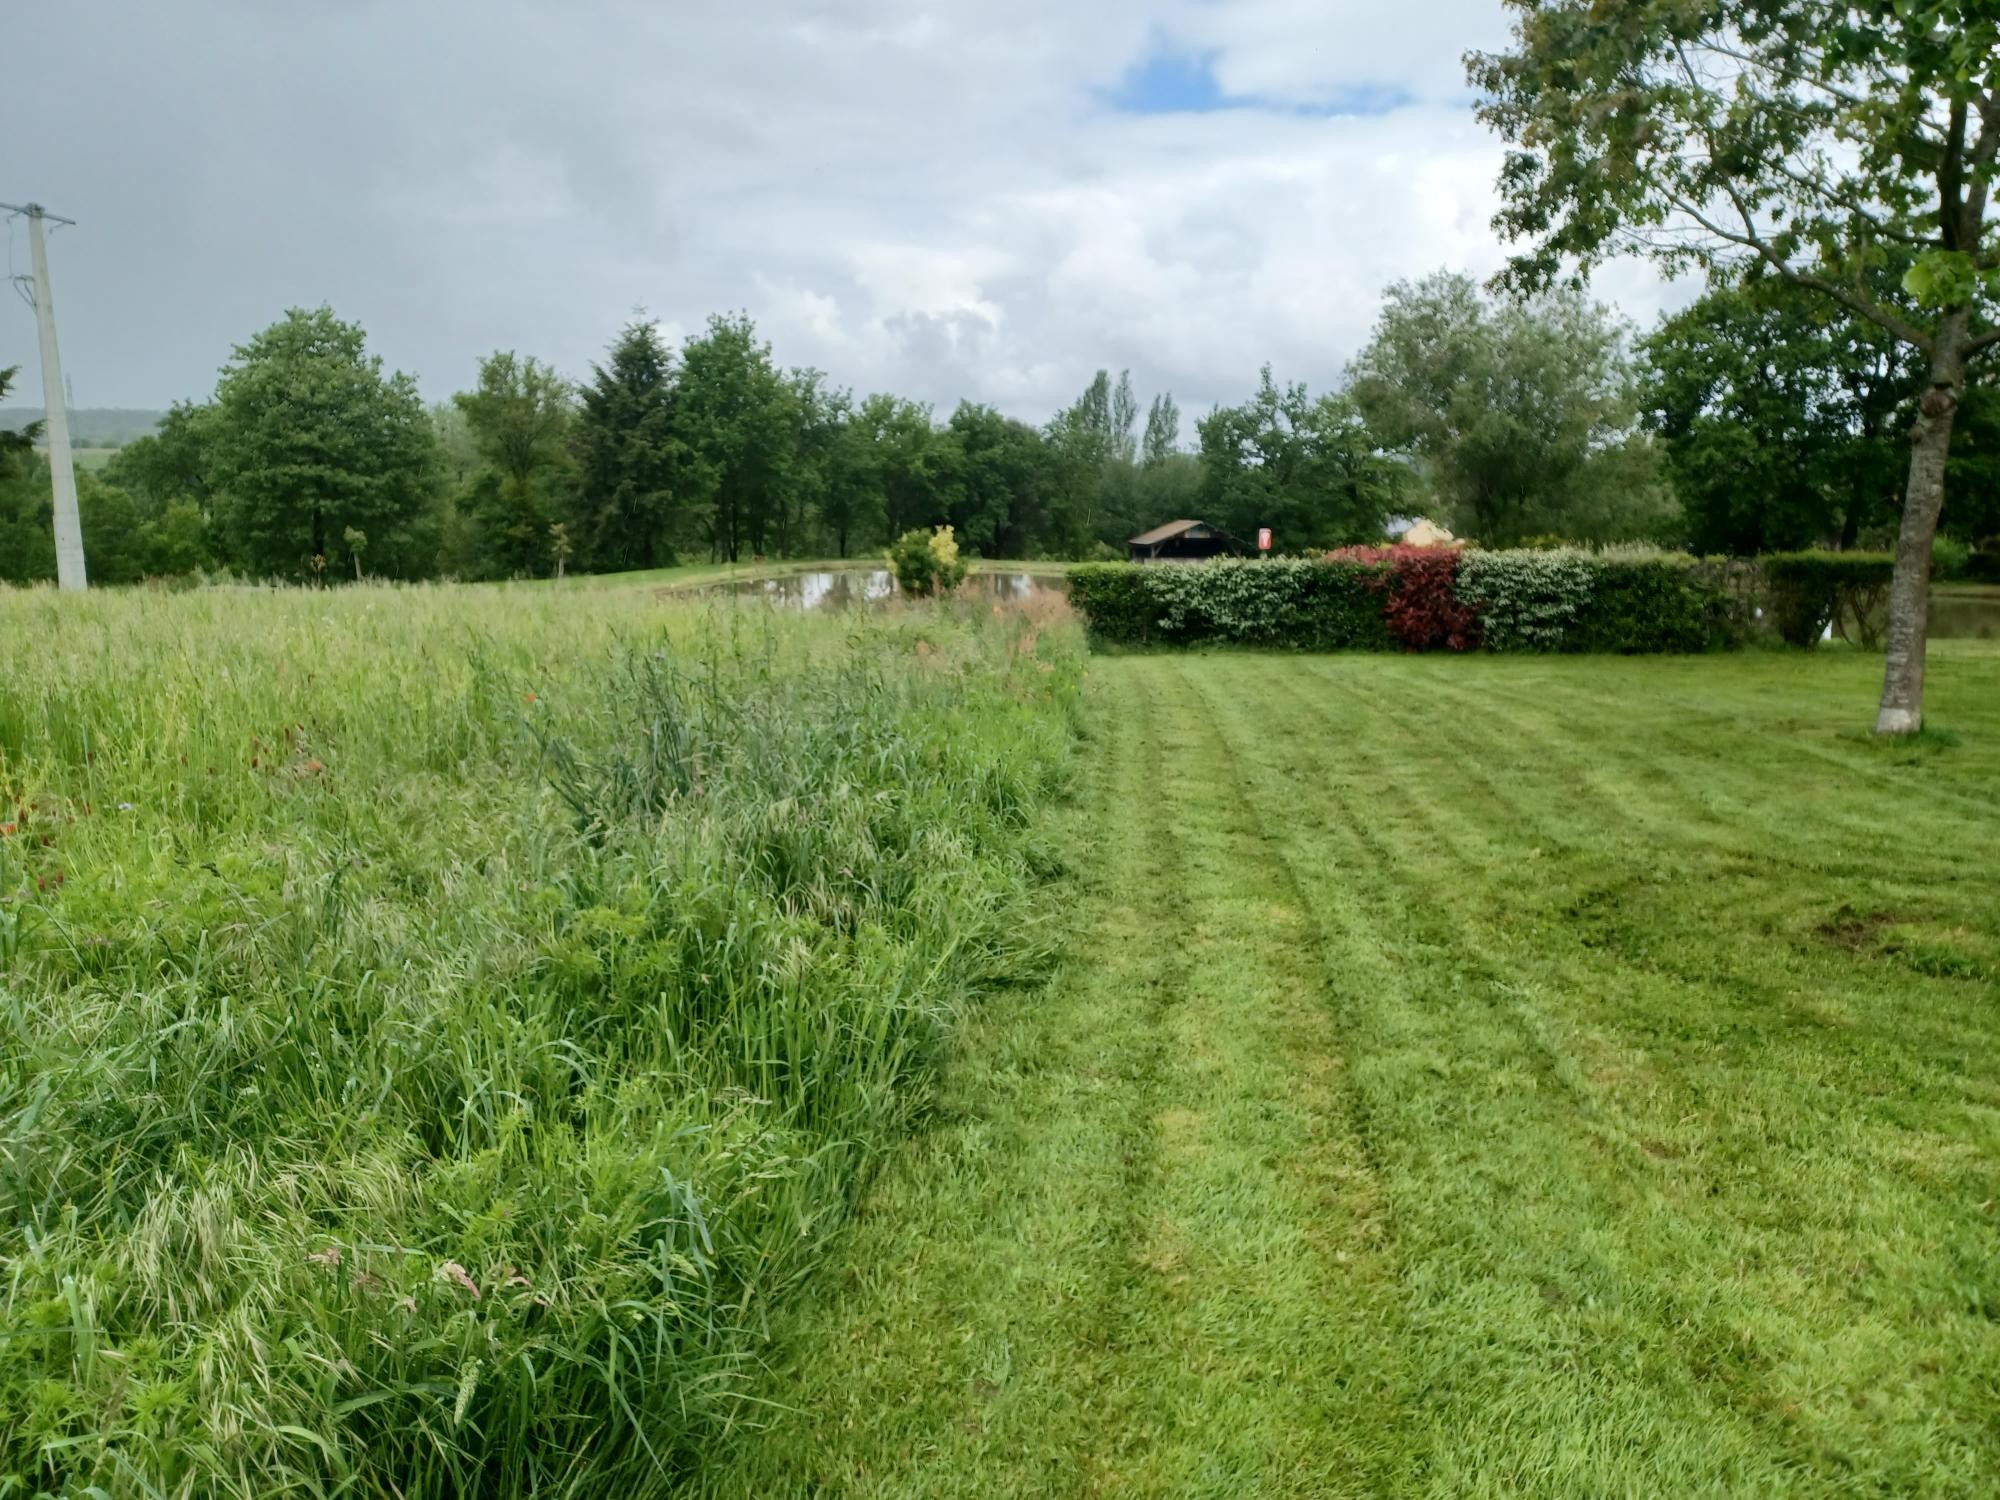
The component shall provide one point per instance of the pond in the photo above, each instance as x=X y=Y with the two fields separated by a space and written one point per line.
x=1965 y=614
x=844 y=588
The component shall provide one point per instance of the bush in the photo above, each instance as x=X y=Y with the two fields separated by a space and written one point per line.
x=1422 y=599
x=1665 y=602
x=926 y=563
x=1114 y=602
x=1528 y=601
x=1950 y=559
x=1419 y=591
x=1810 y=591
x=1298 y=602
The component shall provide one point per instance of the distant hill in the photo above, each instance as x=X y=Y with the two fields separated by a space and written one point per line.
x=90 y=426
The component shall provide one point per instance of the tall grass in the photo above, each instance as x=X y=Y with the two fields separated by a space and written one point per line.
x=436 y=1024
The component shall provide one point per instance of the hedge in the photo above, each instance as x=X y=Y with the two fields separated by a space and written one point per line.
x=1377 y=599
x=1809 y=591
x=1297 y=602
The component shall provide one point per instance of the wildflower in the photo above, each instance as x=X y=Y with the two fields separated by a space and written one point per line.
x=330 y=1256
x=528 y=698
x=451 y=1270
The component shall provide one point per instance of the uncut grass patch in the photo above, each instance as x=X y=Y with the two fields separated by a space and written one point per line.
x=436 y=1025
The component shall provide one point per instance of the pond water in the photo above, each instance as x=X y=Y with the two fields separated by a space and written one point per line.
x=846 y=587
x=1966 y=614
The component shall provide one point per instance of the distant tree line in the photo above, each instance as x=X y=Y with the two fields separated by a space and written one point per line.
x=1753 y=419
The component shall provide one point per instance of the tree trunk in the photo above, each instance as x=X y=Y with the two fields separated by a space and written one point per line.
x=1902 y=710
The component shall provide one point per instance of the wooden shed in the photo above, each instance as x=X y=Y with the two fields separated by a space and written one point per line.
x=1184 y=541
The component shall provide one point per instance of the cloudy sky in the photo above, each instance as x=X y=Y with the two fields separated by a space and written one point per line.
x=940 y=199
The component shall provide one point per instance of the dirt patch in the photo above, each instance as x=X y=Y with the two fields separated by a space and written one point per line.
x=1857 y=931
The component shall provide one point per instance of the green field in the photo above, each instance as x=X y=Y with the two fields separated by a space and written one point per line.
x=448 y=1032
x=1469 y=1077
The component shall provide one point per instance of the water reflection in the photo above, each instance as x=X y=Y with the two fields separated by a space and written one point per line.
x=844 y=588
x=1965 y=615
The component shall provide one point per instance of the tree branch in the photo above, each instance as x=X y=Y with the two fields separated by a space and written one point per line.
x=1757 y=64
x=1985 y=340
x=1749 y=238
x=1951 y=181
x=1854 y=301
x=1847 y=203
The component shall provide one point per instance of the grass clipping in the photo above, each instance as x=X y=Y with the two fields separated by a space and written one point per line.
x=439 y=1022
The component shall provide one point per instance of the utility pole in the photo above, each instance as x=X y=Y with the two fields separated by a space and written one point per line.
x=62 y=470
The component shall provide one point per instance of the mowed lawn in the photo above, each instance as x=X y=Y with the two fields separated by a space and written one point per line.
x=1469 y=1077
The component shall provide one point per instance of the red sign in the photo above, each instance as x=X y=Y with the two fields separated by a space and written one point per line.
x=1263 y=539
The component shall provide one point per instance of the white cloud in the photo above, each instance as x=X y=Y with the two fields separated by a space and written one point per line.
x=934 y=200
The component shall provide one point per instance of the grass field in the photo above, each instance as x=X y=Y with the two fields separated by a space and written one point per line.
x=436 y=1025
x=1469 y=1077
x=444 y=1034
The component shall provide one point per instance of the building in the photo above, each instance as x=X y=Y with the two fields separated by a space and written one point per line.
x=1184 y=541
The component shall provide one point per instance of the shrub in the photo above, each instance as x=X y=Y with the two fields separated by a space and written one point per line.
x=927 y=563
x=1809 y=591
x=1662 y=602
x=1297 y=602
x=1114 y=602
x=1528 y=601
x=1418 y=587
x=1950 y=559
x=1422 y=599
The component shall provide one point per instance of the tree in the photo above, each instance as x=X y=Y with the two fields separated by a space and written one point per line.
x=27 y=510
x=1523 y=416
x=308 y=438
x=734 y=424
x=1124 y=421
x=908 y=459
x=1163 y=430
x=627 y=513
x=825 y=491
x=520 y=419
x=1805 y=140
x=1779 y=416
x=1083 y=444
x=1308 y=469
x=17 y=447
x=1000 y=484
x=853 y=503
x=169 y=476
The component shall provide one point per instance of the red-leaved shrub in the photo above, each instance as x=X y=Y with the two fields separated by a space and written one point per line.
x=1420 y=600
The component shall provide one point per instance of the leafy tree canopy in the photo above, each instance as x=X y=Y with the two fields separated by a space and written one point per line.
x=1523 y=416
x=628 y=512
x=308 y=438
x=1802 y=139
x=1310 y=469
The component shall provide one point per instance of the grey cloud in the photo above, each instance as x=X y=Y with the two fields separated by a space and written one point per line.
x=912 y=196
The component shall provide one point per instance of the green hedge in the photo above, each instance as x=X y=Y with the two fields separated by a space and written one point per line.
x=1297 y=602
x=1809 y=591
x=1560 y=600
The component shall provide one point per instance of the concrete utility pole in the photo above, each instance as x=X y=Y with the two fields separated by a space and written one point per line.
x=62 y=469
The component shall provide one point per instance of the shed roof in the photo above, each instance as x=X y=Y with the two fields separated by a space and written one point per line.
x=1164 y=533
